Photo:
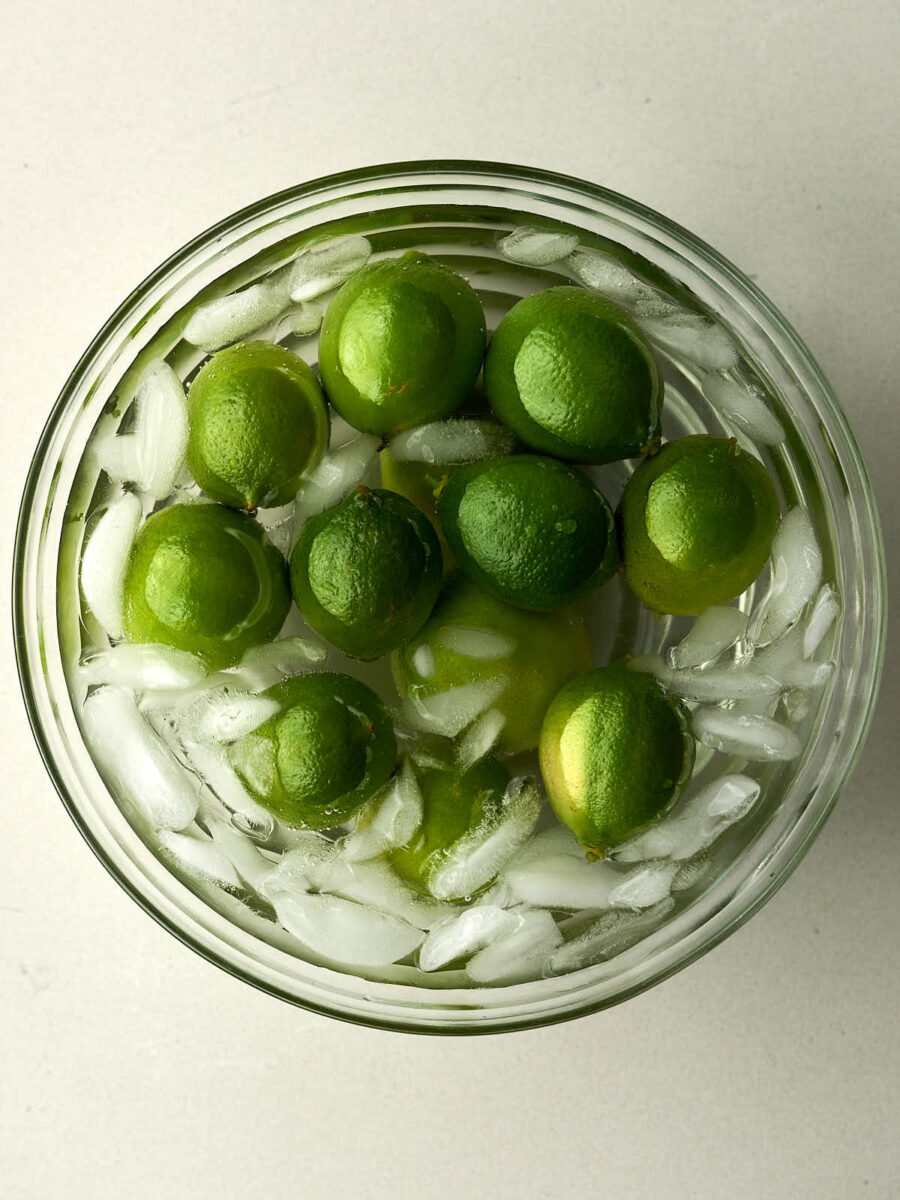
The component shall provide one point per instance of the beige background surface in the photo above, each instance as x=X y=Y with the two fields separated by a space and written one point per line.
x=131 y=1068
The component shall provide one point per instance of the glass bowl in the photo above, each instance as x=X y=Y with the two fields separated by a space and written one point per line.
x=459 y=210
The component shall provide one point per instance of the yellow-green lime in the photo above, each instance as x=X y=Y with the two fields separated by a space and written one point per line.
x=205 y=579
x=366 y=573
x=573 y=375
x=697 y=522
x=615 y=751
x=515 y=660
x=258 y=420
x=401 y=343
x=323 y=755
x=534 y=532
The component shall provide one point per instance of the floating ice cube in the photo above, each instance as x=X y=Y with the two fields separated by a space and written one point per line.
x=450 y=711
x=203 y=859
x=139 y=666
x=748 y=735
x=478 y=856
x=796 y=573
x=715 y=631
x=557 y=880
x=694 y=338
x=250 y=865
x=603 y=273
x=212 y=765
x=714 y=683
x=229 y=318
x=127 y=749
x=265 y=665
x=339 y=472
x=423 y=661
x=399 y=815
x=224 y=714
x=161 y=429
x=480 y=738
x=295 y=871
x=302 y=321
x=518 y=956
x=323 y=267
x=118 y=455
x=644 y=887
x=822 y=617
x=609 y=935
x=746 y=408
x=463 y=935
x=554 y=841
x=374 y=883
x=691 y=871
x=344 y=931
x=695 y=824
x=104 y=562
x=457 y=440
x=536 y=247
x=475 y=643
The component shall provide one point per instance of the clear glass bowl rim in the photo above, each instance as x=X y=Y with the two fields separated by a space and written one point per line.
x=458 y=172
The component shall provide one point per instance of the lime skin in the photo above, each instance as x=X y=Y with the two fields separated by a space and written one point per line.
x=258 y=421
x=532 y=531
x=420 y=483
x=205 y=579
x=401 y=343
x=574 y=377
x=542 y=651
x=366 y=573
x=455 y=803
x=696 y=523
x=615 y=752
x=323 y=756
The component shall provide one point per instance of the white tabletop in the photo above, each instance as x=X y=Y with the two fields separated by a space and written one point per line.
x=132 y=1068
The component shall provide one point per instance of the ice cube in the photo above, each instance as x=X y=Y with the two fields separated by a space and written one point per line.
x=344 y=931
x=268 y=664
x=161 y=429
x=475 y=858
x=118 y=455
x=609 y=935
x=375 y=884
x=744 y=407
x=644 y=887
x=823 y=615
x=557 y=880
x=203 y=859
x=139 y=666
x=448 y=712
x=458 y=440
x=229 y=318
x=691 y=871
x=297 y=866
x=745 y=735
x=224 y=714
x=250 y=865
x=212 y=765
x=339 y=472
x=553 y=841
x=323 y=267
x=603 y=273
x=104 y=562
x=695 y=823
x=423 y=661
x=482 y=644
x=399 y=815
x=480 y=738
x=128 y=750
x=796 y=573
x=715 y=631
x=711 y=684
x=519 y=955
x=302 y=321
x=697 y=339
x=463 y=935
x=536 y=247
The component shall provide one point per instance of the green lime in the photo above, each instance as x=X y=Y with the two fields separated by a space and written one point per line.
x=454 y=803
x=401 y=343
x=697 y=522
x=532 y=531
x=615 y=751
x=205 y=579
x=323 y=755
x=366 y=573
x=476 y=654
x=257 y=421
x=419 y=483
x=575 y=377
